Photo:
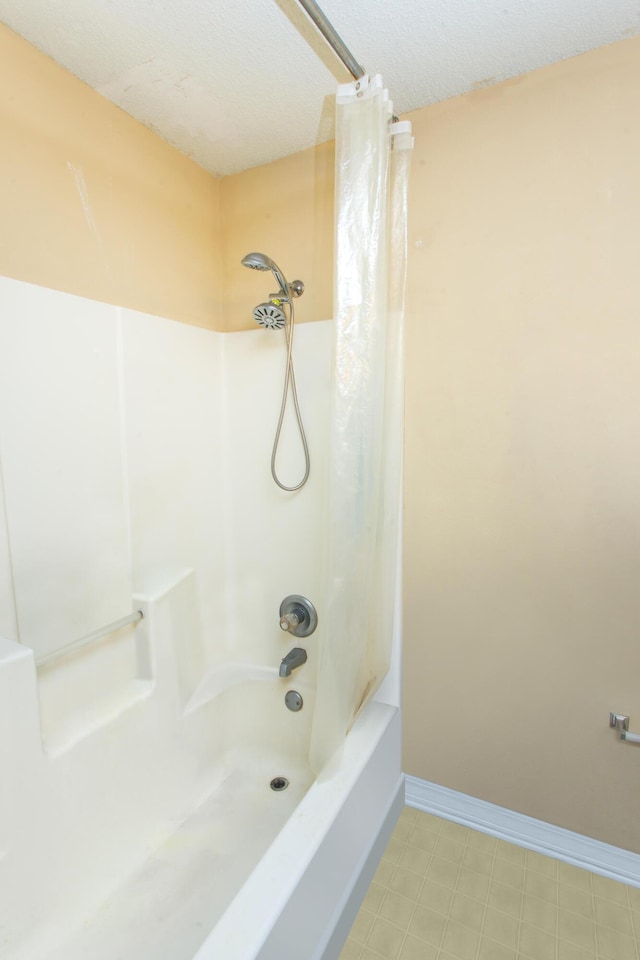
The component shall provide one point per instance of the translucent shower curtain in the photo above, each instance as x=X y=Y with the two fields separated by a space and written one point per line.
x=365 y=469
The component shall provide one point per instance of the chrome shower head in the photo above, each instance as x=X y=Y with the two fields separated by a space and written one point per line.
x=260 y=261
x=270 y=316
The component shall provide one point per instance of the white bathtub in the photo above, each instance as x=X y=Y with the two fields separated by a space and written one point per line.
x=237 y=872
x=258 y=875
x=303 y=895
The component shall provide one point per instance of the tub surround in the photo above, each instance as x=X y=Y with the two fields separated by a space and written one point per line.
x=109 y=749
x=138 y=767
x=159 y=387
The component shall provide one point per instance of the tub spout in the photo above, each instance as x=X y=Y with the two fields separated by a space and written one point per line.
x=295 y=658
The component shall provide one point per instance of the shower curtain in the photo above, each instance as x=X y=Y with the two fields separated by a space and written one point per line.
x=365 y=462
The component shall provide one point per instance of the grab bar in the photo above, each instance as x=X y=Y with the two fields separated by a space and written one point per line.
x=134 y=617
x=621 y=723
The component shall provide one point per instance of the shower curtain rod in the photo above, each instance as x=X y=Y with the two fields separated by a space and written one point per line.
x=333 y=39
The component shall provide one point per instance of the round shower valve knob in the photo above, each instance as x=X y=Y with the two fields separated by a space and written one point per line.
x=298 y=616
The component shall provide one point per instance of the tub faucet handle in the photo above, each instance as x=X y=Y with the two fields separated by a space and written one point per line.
x=289 y=621
x=298 y=616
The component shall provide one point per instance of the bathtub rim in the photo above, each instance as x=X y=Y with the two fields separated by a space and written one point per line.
x=258 y=921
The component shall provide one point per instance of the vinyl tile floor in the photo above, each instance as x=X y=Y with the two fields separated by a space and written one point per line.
x=445 y=892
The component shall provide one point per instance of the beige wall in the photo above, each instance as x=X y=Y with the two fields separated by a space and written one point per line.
x=93 y=203
x=522 y=545
x=522 y=539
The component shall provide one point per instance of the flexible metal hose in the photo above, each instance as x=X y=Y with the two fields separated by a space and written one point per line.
x=289 y=378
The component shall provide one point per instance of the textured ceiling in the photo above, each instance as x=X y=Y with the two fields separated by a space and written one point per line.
x=235 y=84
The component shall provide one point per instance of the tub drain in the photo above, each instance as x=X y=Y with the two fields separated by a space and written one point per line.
x=279 y=783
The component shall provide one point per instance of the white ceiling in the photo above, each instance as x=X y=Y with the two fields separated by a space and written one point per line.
x=236 y=83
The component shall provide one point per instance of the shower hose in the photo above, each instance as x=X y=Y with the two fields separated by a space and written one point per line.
x=289 y=378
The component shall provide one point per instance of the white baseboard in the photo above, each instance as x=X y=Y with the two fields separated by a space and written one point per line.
x=574 y=848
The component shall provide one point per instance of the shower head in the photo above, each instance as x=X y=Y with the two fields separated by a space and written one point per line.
x=260 y=261
x=270 y=316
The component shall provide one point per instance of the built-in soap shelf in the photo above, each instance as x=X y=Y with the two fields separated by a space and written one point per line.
x=72 y=693
x=45 y=712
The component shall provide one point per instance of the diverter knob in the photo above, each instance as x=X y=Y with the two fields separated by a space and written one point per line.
x=298 y=616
